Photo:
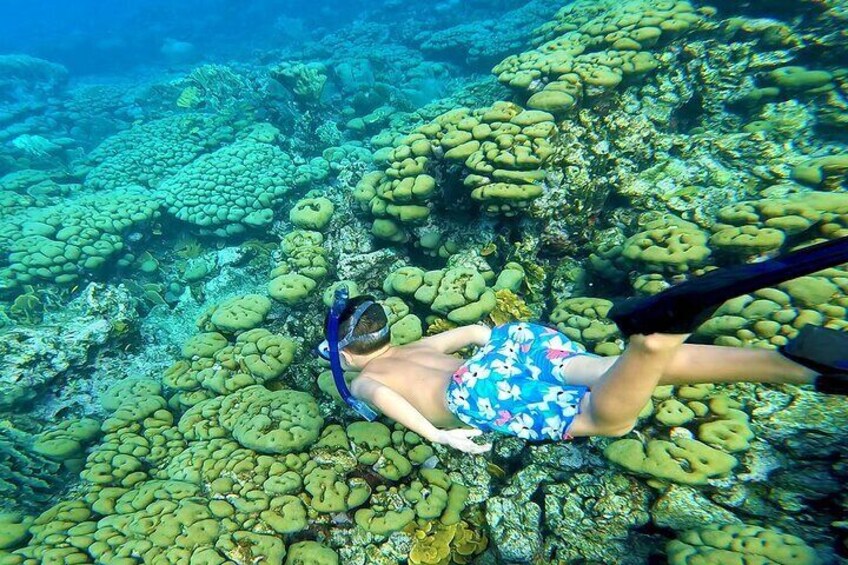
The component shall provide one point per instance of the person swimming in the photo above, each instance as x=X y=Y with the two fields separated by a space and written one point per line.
x=533 y=382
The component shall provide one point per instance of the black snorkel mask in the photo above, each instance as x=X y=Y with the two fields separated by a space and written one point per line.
x=329 y=349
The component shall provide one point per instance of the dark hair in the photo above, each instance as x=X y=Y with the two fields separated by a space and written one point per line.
x=372 y=320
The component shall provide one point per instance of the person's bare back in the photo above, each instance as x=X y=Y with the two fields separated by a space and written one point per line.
x=419 y=373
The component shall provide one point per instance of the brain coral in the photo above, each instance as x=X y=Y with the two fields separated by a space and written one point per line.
x=147 y=153
x=232 y=189
x=268 y=422
x=62 y=243
x=499 y=151
x=600 y=44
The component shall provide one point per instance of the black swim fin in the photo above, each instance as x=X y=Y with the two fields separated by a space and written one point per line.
x=683 y=307
x=825 y=351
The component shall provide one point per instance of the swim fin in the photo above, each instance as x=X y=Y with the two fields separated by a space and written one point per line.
x=683 y=307
x=825 y=351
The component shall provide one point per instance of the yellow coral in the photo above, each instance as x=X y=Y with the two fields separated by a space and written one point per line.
x=437 y=544
x=189 y=97
x=439 y=325
x=188 y=248
x=509 y=308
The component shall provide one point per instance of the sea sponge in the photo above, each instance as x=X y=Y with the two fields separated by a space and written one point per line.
x=731 y=544
x=329 y=295
x=330 y=492
x=297 y=239
x=510 y=278
x=383 y=522
x=130 y=389
x=672 y=412
x=14 y=528
x=501 y=151
x=406 y=330
x=770 y=317
x=52 y=533
x=462 y=296
x=828 y=172
x=405 y=281
x=729 y=435
x=65 y=442
x=801 y=79
x=203 y=345
x=747 y=241
x=791 y=215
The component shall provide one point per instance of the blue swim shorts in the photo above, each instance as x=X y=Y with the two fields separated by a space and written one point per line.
x=516 y=384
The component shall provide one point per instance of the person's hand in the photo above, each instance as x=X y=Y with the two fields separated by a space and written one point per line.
x=461 y=439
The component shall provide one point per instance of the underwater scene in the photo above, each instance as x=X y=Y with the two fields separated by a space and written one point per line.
x=503 y=216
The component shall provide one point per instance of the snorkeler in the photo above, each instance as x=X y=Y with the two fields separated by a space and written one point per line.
x=533 y=382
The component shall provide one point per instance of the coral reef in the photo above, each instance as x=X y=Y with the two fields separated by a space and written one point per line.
x=169 y=243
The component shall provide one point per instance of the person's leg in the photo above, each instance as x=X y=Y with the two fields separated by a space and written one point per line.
x=620 y=394
x=697 y=364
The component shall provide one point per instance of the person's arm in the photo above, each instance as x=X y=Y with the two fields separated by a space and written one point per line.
x=401 y=411
x=459 y=338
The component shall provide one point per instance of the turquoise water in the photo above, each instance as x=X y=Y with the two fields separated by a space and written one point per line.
x=184 y=186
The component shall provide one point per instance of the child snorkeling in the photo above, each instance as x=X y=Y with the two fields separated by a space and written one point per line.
x=533 y=382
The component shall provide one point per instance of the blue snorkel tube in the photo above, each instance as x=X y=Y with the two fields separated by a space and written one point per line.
x=339 y=303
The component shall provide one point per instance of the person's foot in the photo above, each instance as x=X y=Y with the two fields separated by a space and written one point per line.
x=683 y=307
x=825 y=351
x=658 y=342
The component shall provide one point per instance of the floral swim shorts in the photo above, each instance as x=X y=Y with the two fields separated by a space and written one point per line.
x=516 y=384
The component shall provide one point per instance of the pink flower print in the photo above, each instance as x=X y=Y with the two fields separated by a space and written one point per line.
x=555 y=354
x=565 y=346
x=457 y=378
x=503 y=417
x=525 y=347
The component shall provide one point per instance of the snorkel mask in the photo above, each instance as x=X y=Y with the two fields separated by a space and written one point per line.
x=329 y=349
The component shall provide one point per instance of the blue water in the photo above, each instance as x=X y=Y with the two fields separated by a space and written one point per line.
x=90 y=36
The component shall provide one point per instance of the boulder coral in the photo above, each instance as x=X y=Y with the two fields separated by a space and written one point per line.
x=236 y=188
x=594 y=53
x=502 y=148
x=63 y=244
